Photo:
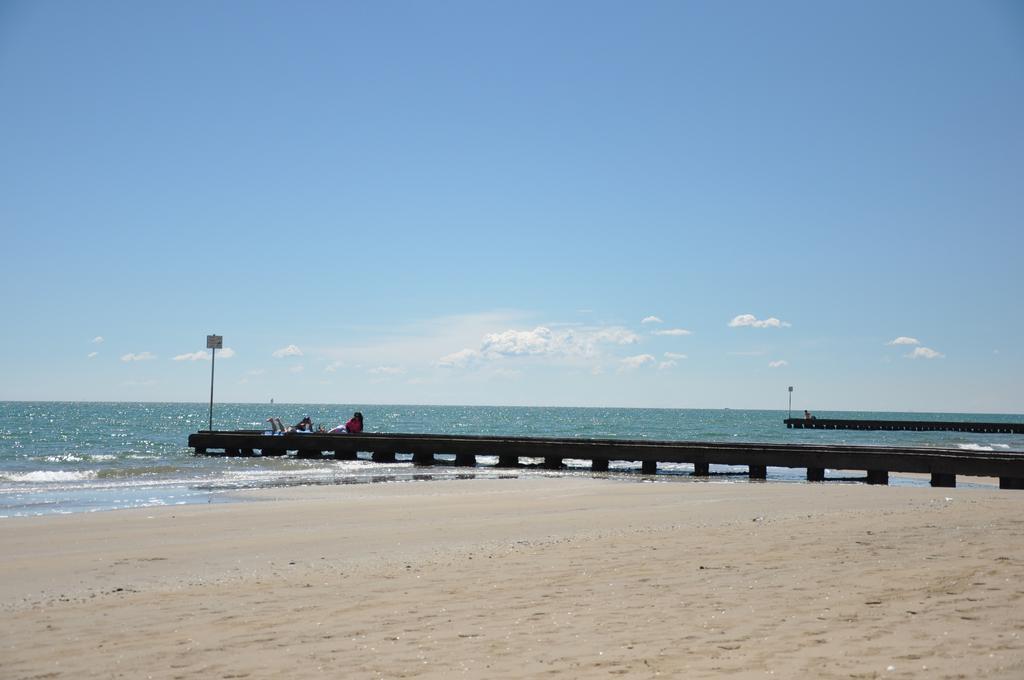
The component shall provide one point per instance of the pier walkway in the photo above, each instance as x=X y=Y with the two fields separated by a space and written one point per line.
x=877 y=461
x=911 y=425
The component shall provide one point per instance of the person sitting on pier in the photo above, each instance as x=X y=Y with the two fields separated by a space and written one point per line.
x=807 y=415
x=353 y=426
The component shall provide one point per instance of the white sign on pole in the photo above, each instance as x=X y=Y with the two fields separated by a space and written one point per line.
x=214 y=342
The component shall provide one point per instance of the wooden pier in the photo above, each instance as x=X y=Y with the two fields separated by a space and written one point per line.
x=909 y=425
x=877 y=461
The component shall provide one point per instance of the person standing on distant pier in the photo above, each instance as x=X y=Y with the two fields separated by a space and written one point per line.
x=807 y=415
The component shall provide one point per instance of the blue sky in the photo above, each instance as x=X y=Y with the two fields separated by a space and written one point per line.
x=666 y=204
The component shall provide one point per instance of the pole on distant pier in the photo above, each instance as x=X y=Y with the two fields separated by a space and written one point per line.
x=790 y=402
x=213 y=343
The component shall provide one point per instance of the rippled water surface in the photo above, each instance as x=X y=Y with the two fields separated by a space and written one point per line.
x=62 y=457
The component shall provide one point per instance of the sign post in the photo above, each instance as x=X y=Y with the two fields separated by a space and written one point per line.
x=790 y=401
x=214 y=343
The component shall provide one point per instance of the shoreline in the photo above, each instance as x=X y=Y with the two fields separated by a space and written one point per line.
x=189 y=492
x=569 y=576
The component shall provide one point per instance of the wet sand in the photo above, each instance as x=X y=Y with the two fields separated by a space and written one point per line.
x=522 y=578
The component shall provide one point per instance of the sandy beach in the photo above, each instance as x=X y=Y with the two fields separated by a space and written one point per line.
x=520 y=578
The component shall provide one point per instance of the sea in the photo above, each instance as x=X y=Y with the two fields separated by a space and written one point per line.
x=73 y=457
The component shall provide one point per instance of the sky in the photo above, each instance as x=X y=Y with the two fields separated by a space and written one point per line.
x=658 y=204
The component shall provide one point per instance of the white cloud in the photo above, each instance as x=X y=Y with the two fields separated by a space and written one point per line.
x=97 y=340
x=543 y=342
x=141 y=356
x=193 y=356
x=673 y=331
x=778 y=364
x=460 y=359
x=754 y=322
x=482 y=341
x=387 y=370
x=289 y=351
x=203 y=355
x=674 y=355
x=419 y=342
x=297 y=369
x=671 y=363
x=924 y=353
x=637 y=361
x=334 y=366
x=904 y=340
x=518 y=343
x=92 y=354
x=614 y=335
x=651 y=319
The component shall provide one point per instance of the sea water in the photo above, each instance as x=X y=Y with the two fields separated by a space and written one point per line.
x=65 y=457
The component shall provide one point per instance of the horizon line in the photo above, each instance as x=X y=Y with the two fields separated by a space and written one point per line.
x=372 y=404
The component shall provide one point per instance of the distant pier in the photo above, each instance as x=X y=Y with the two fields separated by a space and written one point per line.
x=877 y=461
x=908 y=425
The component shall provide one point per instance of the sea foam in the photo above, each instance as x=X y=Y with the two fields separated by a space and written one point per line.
x=49 y=476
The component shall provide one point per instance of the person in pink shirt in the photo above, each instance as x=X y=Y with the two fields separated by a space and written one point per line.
x=353 y=426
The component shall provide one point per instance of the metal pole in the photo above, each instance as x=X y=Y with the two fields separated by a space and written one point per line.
x=213 y=362
x=790 y=401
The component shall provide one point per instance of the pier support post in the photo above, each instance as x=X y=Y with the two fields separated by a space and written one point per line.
x=553 y=462
x=308 y=453
x=649 y=467
x=383 y=457
x=878 y=476
x=1011 y=482
x=815 y=474
x=757 y=471
x=200 y=451
x=344 y=455
x=943 y=479
x=249 y=453
x=272 y=452
x=422 y=458
x=232 y=452
x=599 y=465
x=508 y=461
x=465 y=459
x=701 y=469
